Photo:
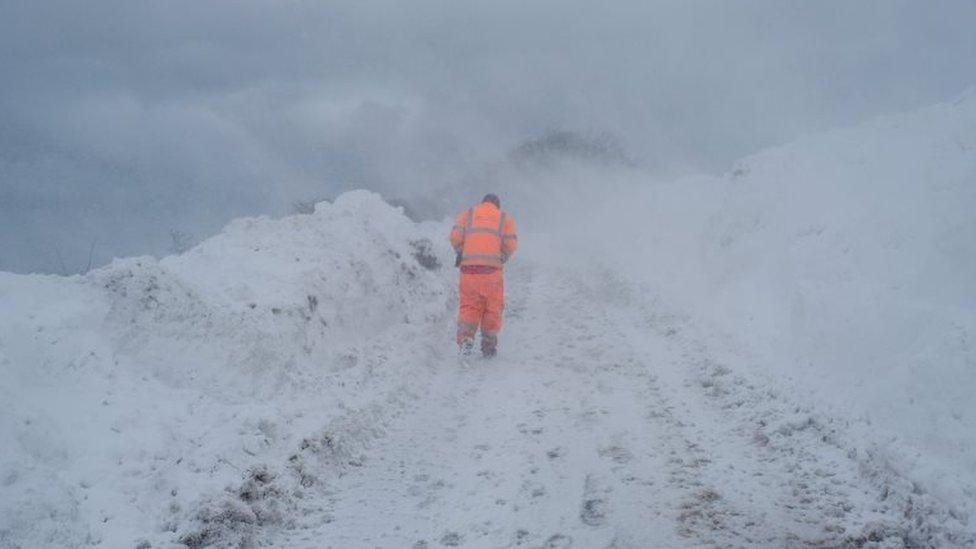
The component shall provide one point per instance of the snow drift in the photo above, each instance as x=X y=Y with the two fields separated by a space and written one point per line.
x=842 y=265
x=131 y=393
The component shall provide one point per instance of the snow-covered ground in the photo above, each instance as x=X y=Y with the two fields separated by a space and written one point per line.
x=131 y=394
x=846 y=264
x=779 y=357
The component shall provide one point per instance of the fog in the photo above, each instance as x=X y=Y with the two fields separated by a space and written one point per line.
x=121 y=122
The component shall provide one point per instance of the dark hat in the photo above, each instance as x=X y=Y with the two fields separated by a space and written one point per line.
x=493 y=198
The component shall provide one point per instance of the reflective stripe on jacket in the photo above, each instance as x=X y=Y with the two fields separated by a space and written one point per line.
x=484 y=235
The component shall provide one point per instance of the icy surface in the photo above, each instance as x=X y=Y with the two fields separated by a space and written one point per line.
x=780 y=357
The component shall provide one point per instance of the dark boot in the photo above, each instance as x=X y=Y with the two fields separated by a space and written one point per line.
x=466 y=347
x=489 y=345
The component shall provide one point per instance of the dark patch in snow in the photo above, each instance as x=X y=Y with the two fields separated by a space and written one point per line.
x=452 y=539
x=555 y=453
x=593 y=512
x=236 y=517
x=423 y=252
x=558 y=541
x=617 y=454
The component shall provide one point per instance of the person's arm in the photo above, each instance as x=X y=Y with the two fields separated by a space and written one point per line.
x=509 y=239
x=457 y=233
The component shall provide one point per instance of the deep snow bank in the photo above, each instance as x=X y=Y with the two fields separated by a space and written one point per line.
x=129 y=394
x=843 y=264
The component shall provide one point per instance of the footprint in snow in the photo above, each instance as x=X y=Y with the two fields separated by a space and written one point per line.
x=558 y=541
x=595 y=508
x=533 y=489
x=526 y=430
x=594 y=512
x=617 y=454
x=556 y=452
x=452 y=539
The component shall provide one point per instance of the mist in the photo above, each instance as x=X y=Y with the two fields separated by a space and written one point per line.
x=122 y=122
x=729 y=300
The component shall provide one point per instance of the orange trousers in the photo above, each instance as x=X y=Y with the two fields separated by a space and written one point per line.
x=482 y=299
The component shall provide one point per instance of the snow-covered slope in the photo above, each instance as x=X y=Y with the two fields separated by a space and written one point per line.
x=782 y=356
x=129 y=394
x=844 y=265
x=854 y=253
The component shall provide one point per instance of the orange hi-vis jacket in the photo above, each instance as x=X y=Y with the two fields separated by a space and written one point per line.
x=484 y=235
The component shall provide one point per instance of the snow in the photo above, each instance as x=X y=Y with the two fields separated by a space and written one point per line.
x=133 y=392
x=780 y=356
x=847 y=261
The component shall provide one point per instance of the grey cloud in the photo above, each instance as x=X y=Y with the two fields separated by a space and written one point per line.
x=122 y=120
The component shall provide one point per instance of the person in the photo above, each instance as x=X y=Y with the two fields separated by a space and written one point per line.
x=484 y=238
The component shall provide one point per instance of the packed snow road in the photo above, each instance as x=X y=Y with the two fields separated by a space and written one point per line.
x=603 y=423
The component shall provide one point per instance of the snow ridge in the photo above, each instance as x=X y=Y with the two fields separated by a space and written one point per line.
x=147 y=386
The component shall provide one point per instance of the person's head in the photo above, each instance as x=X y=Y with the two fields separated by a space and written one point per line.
x=493 y=198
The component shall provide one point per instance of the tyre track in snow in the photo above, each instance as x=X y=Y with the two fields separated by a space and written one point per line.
x=601 y=424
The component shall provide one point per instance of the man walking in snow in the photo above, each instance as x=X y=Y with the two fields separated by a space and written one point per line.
x=484 y=238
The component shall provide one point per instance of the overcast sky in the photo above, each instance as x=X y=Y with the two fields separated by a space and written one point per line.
x=122 y=120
